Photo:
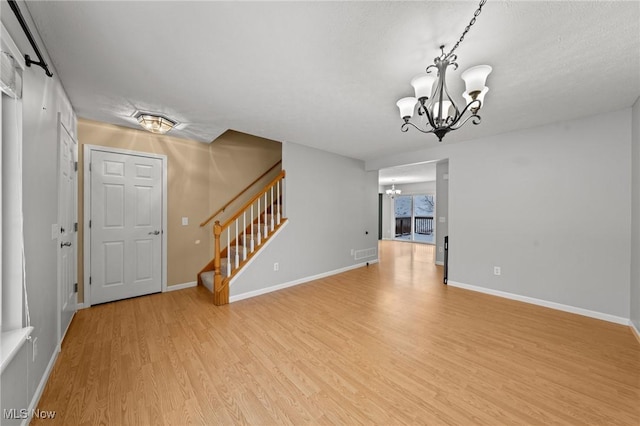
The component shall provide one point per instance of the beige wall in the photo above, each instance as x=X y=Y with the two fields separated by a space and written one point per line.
x=200 y=177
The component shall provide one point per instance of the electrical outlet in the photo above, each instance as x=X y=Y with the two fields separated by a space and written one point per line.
x=276 y=266
x=497 y=270
x=440 y=249
x=185 y=221
x=35 y=349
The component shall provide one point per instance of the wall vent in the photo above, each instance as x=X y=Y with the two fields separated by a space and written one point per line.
x=363 y=254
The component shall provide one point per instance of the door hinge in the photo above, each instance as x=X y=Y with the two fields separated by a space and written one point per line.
x=89 y=280
x=89 y=166
x=75 y=166
x=75 y=287
x=89 y=224
x=75 y=227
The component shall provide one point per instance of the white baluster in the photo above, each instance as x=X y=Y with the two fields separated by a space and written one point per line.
x=259 y=230
x=252 y=228
x=237 y=254
x=228 y=249
x=278 y=202
x=272 y=225
x=266 y=226
x=244 y=235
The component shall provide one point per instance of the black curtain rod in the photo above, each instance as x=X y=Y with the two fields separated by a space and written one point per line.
x=41 y=62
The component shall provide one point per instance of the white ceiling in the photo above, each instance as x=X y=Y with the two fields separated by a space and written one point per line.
x=328 y=74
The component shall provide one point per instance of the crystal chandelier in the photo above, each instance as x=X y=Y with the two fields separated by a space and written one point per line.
x=439 y=112
x=391 y=193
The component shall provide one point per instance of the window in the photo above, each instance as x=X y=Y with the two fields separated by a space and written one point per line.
x=414 y=218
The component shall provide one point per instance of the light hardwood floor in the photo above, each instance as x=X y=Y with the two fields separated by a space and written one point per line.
x=385 y=344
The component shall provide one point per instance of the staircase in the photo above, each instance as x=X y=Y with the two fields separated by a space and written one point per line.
x=241 y=237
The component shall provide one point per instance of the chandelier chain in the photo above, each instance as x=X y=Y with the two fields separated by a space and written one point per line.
x=466 y=30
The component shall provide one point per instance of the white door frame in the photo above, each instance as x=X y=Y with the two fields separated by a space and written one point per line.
x=87 y=213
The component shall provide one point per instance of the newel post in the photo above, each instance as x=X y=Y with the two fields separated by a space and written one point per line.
x=218 y=293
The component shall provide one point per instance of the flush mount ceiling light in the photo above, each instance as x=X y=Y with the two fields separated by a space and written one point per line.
x=155 y=123
x=393 y=192
x=439 y=113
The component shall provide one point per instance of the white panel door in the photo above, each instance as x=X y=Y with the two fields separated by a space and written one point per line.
x=67 y=237
x=126 y=226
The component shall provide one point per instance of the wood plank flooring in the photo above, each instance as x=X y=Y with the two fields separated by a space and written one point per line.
x=385 y=344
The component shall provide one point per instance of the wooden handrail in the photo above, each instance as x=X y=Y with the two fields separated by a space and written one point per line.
x=223 y=208
x=253 y=199
x=220 y=283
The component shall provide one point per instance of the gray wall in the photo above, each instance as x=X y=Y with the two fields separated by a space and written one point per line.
x=549 y=205
x=331 y=201
x=41 y=99
x=635 y=216
x=442 y=208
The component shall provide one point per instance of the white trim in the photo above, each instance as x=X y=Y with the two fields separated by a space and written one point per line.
x=250 y=261
x=12 y=341
x=87 y=212
x=80 y=306
x=439 y=263
x=545 y=303
x=38 y=393
x=277 y=287
x=635 y=330
x=182 y=286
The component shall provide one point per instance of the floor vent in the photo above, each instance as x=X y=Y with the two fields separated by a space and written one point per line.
x=362 y=254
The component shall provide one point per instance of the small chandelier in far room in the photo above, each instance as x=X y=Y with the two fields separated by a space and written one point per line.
x=393 y=192
x=440 y=113
x=155 y=123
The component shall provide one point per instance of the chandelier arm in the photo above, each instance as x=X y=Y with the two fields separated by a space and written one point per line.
x=405 y=127
x=467 y=108
x=429 y=117
x=476 y=119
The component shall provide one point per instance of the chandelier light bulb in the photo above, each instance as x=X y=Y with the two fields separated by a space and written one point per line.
x=475 y=78
x=407 y=106
x=423 y=85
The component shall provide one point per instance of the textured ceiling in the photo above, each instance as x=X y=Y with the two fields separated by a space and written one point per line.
x=328 y=74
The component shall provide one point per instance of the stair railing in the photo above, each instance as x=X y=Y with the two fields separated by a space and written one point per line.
x=223 y=208
x=240 y=236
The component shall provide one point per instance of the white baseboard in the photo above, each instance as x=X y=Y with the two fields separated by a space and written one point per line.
x=277 y=287
x=545 y=303
x=79 y=306
x=181 y=286
x=38 y=393
x=635 y=330
x=439 y=263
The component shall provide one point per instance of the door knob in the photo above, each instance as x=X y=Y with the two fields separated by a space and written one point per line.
x=67 y=244
x=154 y=233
